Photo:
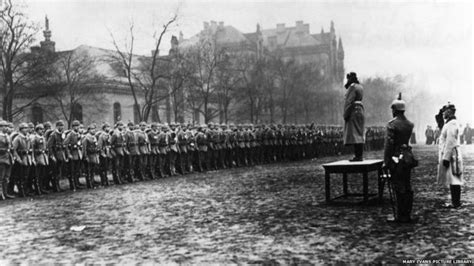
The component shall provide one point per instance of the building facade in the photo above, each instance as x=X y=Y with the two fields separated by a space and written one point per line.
x=111 y=100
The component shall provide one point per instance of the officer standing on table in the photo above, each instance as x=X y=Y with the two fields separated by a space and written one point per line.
x=354 y=118
x=398 y=134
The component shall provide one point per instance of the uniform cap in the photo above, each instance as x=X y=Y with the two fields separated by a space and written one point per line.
x=398 y=104
x=31 y=125
x=154 y=125
x=59 y=123
x=449 y=106
x=39 y=126
x=143 y=123
x=119 y=123
x=105 y=125
x=91 y=126
x=130 y=124
x=3 y=123
x=76 y=123
x=48 y=124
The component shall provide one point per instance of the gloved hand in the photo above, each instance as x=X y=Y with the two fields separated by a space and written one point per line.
x=446 y=163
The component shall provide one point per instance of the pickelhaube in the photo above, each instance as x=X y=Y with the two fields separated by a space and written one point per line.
x=398 y=104
x=39 y=126
x=22 y=126
x=76 y=123
x=59 y=123
x=105 y=125
x=47 y=124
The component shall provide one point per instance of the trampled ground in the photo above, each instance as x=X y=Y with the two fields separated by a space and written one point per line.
x=265 y=214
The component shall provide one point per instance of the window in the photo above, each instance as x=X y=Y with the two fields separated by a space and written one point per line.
x=76 y=112
x=36 y=114
x=117 y=112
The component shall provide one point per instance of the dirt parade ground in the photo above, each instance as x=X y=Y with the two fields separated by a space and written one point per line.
x=266 y=214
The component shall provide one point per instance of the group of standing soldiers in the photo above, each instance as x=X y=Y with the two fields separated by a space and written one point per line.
x=35 y=158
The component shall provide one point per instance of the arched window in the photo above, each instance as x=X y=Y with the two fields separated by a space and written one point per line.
x=36 y=114
x=77 y=112
x=117 y=112
x=136 y=113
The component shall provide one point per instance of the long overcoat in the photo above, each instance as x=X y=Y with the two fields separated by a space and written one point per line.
x=447 y=147
x=354 y=118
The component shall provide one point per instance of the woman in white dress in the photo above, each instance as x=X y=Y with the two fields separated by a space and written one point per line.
x=450 y=165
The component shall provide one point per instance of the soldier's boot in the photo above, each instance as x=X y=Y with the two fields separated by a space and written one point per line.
x=2 y=197
x=72 y=183
x=36 y=184
x=455 y=195
x=56 y=184
x=44 y=185
x=88 y=178
x=116 y=179
x=11 y=188
x=5 y=193
x=21 y=188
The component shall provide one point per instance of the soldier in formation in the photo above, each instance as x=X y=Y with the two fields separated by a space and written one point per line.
x=33 y=159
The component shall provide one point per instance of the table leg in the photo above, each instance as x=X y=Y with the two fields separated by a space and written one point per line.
x=328 y=187
x=366 y=187
x=344 y=183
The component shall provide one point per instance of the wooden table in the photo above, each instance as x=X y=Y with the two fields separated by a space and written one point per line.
x=345 y=167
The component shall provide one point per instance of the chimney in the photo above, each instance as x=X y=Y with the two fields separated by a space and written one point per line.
x=206 y=25
x=213 y=23
x=221 y=24
x=181 y=37
x=280 y=27
x=300 y=27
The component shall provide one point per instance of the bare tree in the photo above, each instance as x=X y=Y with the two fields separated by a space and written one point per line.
x=206 y=57
x=144 y=73
x=19 y=68
x=72 y=80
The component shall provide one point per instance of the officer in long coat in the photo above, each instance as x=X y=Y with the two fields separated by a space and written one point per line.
x=191 y=148
x=354 y=118
x=450 y=164
x=202 y=147
x=74 y=154
x=41 y=158
x=6 y=160
x=398 y=134
x=91 y=151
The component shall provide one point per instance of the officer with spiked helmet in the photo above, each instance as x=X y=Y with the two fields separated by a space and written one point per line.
x=399 y=161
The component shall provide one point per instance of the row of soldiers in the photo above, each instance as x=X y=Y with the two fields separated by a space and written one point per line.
x=35 y=158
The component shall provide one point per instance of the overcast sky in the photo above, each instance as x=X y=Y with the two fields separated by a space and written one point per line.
x=429 y=40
